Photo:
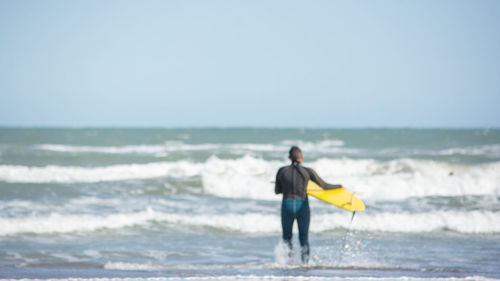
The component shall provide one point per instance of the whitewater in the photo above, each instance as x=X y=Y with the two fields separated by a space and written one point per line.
x=189 y=204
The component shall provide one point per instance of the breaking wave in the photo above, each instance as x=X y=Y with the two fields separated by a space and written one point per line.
x=326 y=146
x=490 y=151
x=69 y=174
x=132 y=266
x=458 y=221
x=250 y=177
x=321 y=147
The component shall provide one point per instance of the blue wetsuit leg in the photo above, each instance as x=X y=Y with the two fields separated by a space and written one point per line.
x=291 y=210
x=303 y=220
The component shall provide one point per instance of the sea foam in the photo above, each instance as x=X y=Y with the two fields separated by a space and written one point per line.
x=328 y=147
x=248 y=177
x=251 y=177
x=325 y=146
x=490 y=151
x=125 y=266
x=258 y=223
x=70 y=174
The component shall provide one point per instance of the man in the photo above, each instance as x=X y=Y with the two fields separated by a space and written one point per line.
x=292 y=182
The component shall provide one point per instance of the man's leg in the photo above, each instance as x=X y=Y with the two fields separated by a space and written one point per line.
x=287 y=218
x=303 y=220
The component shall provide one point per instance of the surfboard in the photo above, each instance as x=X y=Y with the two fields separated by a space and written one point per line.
x=338 y=197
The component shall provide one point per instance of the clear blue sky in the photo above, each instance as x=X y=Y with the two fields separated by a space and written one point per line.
x=250 y=63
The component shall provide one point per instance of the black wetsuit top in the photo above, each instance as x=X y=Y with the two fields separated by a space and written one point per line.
x=292 y=181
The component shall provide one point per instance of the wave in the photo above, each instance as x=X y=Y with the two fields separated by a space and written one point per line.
x=325 y=146
x=463 y=222
x=102 y=149
x=312 y=265
x=249 y=177
x=70 y=174
x=491 y=151
x=333 y=146
x=126 y=266
x=128 y=149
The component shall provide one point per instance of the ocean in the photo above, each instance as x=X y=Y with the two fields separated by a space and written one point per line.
x=199 y=204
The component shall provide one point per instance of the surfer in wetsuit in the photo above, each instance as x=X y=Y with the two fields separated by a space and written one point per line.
x=292 y=182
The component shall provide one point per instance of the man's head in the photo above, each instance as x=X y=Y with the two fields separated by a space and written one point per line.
x=295 y=154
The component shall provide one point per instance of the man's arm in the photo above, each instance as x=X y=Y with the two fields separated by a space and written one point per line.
x=277 y=184
x=315 y=178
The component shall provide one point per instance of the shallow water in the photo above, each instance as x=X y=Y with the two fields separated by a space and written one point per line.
x=199 y=204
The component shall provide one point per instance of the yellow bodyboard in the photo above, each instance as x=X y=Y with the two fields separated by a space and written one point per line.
x=338 y=197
